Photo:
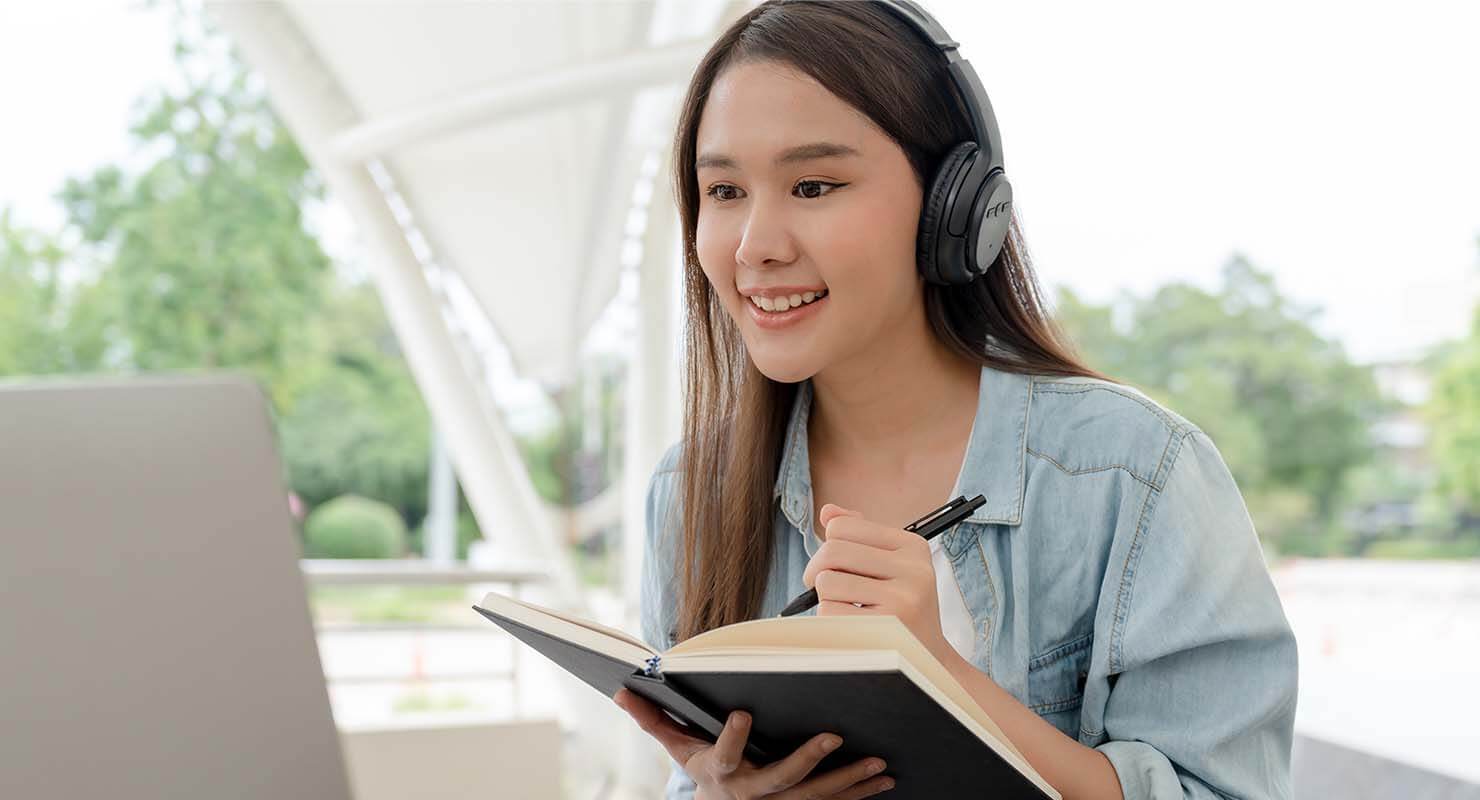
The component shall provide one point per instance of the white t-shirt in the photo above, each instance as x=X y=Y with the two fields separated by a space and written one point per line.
x=955 y=620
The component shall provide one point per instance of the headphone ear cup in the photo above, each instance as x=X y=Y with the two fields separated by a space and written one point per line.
x=933 y=213
x=991 y=216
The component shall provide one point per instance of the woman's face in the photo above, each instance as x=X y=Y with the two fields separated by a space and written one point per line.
x=799 y=192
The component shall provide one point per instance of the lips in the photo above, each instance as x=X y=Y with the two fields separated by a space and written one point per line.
x=780 y=320
x=781 y=302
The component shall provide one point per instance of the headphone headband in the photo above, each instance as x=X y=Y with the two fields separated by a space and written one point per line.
x=966 y=209
x=978 y=107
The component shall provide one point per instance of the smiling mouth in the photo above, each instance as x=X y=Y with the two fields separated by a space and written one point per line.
x=781 y=305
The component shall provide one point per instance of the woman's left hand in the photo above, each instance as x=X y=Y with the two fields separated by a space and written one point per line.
x=887 y=570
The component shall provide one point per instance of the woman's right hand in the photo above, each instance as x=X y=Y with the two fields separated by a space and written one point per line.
x=721 y=772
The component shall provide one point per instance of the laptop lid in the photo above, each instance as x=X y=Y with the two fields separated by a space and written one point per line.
x=155 y=636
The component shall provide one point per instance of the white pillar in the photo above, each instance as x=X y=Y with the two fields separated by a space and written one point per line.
x=439 y=529
x=315 y=109
x=653 y=423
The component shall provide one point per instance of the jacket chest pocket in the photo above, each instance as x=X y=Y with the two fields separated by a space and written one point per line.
x=1056 y=683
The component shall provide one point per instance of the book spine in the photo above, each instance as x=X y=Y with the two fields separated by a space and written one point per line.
x=651 y=669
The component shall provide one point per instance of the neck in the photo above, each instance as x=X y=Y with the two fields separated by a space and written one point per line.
x=897 y=395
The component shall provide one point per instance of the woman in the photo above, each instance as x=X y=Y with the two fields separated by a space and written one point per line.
x=1109 y=606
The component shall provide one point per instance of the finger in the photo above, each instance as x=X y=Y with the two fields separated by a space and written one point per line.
x=657 y=724
x=788 y=772
x=859 y=559
x=730 y=748
x=868 y=788
x=835 y=608
x=845 y=587
x=831 y=510
x=859 y=779
x=866 y=531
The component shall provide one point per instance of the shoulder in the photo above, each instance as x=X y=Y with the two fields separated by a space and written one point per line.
x=668 y=463
x=662 y=484
x=1084 y=425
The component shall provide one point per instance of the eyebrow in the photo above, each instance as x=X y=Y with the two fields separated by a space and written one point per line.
x=804 y=152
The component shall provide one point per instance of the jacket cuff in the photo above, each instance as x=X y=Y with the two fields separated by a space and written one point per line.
x=680 y=786
x=1145 y=774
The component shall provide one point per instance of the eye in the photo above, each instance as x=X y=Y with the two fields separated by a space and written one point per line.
x=818 y=184
x=716 y=191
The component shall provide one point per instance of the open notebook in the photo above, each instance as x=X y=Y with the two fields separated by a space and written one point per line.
x=867 y=679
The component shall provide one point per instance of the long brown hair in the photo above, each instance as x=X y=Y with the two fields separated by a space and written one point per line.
x=734 y=416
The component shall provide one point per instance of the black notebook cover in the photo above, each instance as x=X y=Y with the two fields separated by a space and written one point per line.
x=929 y=753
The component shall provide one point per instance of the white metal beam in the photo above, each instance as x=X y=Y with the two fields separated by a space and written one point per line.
x=314 y=107
x=579 y=83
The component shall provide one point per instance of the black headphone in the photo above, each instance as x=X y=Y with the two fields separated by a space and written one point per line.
x=967 y=207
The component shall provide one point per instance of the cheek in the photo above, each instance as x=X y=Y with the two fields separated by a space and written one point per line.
x=716 y=253
x=871 y=253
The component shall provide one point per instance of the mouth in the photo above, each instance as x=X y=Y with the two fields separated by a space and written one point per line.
x=776 y=320
x=782 y=303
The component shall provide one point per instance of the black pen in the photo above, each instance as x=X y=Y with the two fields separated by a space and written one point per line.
x=927 y=526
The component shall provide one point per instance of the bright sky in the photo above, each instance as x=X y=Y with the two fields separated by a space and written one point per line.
x=1332 y=143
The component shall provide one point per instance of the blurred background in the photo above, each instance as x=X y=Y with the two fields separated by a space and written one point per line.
x=441 y=236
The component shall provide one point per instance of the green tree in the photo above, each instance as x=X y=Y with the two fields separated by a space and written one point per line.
x=1453 y=413
x=55 y=311
x=209 y=261
x=350 y=526
x=194 y=255
x=357 y=423
x=1288 y=410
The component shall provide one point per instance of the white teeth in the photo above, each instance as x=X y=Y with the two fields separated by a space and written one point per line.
x=780 y=304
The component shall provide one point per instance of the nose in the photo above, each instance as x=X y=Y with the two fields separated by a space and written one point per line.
x=767 y=239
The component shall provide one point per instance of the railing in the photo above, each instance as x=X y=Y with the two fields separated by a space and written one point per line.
x=320 y=573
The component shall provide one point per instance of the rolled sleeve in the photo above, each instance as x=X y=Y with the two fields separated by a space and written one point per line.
x=1203 y=663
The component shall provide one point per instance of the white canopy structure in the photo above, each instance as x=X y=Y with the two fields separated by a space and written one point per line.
x=514 y=153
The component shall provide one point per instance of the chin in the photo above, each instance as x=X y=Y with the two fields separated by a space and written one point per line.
x=784 y=370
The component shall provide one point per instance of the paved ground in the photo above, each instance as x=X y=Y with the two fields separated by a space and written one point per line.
x=1389 y=658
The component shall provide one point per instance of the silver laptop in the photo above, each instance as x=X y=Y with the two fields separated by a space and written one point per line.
x=155 y=637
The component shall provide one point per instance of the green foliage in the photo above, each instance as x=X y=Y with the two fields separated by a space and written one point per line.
x=194 y=256
x=1453 y=413
x=1424 y=548
x=564 y=471
x=354 y=527
x=55 y=310
x=1287 y=409
x=421 y=701
x=210 y=264
x=389 y=603
x=355 y=421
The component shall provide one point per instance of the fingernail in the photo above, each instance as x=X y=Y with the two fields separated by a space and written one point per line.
x=831 y=743
x=887 y=785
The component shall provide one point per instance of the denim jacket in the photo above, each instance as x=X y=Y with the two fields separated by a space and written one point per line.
x=1114 y=580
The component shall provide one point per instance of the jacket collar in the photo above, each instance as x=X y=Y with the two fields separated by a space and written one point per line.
x=994 y=466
